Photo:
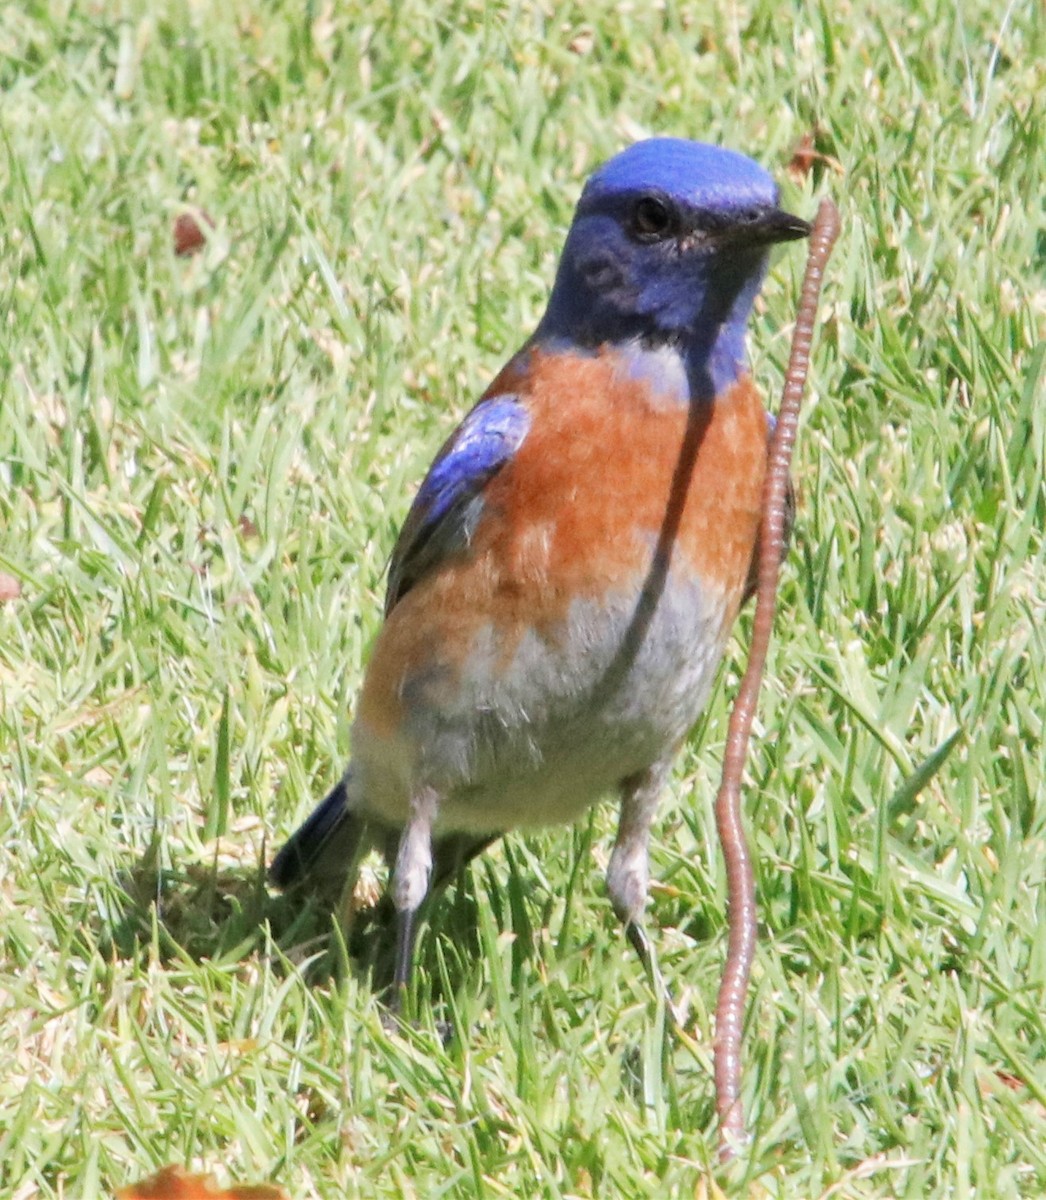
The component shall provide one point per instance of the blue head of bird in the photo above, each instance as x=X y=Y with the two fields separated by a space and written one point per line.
x=668 y=248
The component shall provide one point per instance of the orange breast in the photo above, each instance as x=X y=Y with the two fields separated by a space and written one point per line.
x=611 y=480
x=610 y=469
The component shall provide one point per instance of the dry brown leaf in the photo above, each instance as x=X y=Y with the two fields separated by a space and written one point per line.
x=175 y=1183
x=804 y=157
x=189 y=237
x=806 y=154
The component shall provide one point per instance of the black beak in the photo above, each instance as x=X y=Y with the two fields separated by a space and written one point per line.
x=777 y=226
x=763 y=227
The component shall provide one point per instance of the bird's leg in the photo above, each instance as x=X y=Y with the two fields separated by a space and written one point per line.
x=410 y=883
x=628 y=876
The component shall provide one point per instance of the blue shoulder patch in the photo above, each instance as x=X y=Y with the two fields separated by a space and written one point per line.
x=449 y=502
x=488 y=436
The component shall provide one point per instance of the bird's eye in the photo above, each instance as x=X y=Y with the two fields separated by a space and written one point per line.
x=652 y=219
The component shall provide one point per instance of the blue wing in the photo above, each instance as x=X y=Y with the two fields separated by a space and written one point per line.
x=449 y=503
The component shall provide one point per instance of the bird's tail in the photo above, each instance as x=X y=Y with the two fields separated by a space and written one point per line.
x=322 y=855
x=325 y=849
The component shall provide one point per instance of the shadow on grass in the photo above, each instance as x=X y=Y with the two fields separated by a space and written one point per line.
x=214 y=913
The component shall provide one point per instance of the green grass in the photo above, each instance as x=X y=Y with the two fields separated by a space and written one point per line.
x=204 y=462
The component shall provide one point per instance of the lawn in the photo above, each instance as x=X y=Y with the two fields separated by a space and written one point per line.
x=203 y=464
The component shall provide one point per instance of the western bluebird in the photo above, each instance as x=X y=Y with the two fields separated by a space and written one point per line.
x=562 y=590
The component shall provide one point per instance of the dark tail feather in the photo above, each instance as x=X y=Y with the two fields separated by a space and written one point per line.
x=452 y=852
x=324 y=850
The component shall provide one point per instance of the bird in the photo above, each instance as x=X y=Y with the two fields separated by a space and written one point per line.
x=561 y=592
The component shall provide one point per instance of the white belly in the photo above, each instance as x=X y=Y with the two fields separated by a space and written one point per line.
x=537 y=739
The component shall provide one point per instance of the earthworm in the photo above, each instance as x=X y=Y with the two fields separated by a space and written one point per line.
x=740 y=882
